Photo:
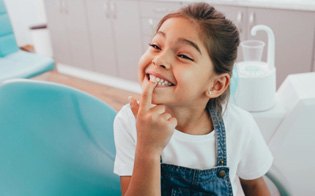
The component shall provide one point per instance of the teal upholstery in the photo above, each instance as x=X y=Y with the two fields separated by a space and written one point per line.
x=55 y=140
x=7 y=40
x=2 y=9
x=279 y=181
x=13 y=62
x=24 y=65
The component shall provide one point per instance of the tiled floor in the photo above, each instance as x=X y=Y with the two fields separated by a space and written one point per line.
x=113 y=96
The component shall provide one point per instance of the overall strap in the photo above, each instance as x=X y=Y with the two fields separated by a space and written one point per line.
x=219 y=130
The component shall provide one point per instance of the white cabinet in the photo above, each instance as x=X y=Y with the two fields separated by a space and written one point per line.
x=294 y=33
x=98 y=35
x=109 y=36
x=67 y=23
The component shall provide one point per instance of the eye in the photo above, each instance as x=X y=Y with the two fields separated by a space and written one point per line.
x=155 y=46
x=183 y=56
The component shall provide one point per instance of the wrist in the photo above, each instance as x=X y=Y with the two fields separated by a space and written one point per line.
x=147 y=153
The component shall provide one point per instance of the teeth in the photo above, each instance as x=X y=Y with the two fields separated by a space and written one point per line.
x=159 y=81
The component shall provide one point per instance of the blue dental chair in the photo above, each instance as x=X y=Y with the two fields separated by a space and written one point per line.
x=55 y=141
x=15 y=63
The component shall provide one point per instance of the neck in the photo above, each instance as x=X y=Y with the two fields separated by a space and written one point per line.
x=193 y=120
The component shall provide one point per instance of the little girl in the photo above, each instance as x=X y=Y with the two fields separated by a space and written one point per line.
x=181 y=137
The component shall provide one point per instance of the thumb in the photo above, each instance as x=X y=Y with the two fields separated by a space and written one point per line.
x=134 y=105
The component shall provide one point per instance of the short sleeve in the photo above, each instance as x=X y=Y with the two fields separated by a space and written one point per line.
x=256 y=158
x=125 y=142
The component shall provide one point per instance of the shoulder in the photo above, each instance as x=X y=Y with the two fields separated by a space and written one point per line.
x=240 y=126
x=233 y=111
x=124 y=114
x=237 y=118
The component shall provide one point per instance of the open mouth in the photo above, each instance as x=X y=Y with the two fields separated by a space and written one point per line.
x=159 y=81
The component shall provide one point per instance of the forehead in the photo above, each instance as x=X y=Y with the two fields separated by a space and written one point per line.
x=180 y=27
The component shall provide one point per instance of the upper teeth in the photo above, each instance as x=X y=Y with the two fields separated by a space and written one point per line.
x=159 y=81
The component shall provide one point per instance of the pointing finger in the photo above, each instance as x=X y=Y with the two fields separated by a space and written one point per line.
x=146 y=98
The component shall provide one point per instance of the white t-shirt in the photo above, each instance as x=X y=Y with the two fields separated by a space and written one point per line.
x=248 y=156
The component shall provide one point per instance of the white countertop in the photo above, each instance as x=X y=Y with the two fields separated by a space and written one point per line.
x=306 y=5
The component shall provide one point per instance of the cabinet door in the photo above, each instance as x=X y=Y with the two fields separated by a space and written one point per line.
x=77 y=32
x=56 y=17
x=68 y=27
x=102 y=36
x=126 y=26
x=294 y=34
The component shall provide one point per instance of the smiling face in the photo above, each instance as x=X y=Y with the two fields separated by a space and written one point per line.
x=179 y=62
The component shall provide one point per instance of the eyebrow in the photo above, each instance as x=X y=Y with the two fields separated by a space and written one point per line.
x=191 y=43
x=186 y=41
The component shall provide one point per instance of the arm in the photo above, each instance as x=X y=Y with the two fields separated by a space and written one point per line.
x=256 y=187
x=145 y=179
x=154 y=129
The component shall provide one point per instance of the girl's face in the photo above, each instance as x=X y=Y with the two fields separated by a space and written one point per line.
x=179 y=61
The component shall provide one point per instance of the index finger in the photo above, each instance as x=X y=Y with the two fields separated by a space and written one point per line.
x=146 y=97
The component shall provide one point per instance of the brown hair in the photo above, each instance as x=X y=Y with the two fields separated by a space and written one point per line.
x=220 y=35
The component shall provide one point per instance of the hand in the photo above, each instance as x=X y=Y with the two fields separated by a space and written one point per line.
x=154 y=125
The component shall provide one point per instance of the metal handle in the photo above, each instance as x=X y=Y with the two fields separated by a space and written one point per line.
x=64 y=7
x=239 y=19
x=61 y=6
x=251 y=20
x=113 y=10
x=313 y=68
x=151 y=24
x=106 y=9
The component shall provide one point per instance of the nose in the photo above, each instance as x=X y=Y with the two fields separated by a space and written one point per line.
x=163 y=60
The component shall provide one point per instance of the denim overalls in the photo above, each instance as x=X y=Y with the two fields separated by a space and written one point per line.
x=177 y=180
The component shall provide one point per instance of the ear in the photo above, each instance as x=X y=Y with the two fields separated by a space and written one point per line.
x=218 y=85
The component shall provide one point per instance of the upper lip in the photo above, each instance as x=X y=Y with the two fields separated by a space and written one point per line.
x=159 y=76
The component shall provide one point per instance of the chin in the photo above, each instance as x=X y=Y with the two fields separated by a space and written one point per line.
x=157 y=101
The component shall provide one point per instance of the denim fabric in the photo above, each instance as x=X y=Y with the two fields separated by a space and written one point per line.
x=177 y=180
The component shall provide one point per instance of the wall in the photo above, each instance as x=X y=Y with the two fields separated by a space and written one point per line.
x=23 y=14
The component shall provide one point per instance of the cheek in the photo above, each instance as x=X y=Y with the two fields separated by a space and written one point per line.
x=144 y=61
x=185 y=78
x=192 y=80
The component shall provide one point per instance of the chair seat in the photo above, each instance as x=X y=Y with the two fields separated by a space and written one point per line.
x=24 y=65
